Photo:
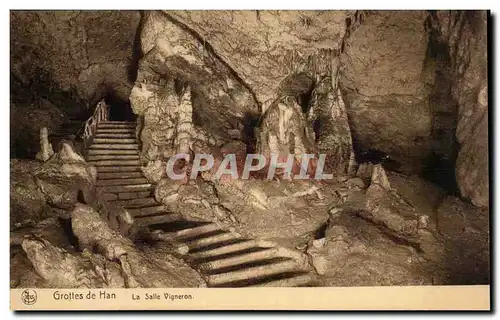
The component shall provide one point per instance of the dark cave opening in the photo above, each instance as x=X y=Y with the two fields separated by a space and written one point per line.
x=119 y=108
x=299 y=86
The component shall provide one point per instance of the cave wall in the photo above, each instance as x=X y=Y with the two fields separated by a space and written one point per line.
x=62 y=63
x=386 y=84
x=80 y=51
x=465 y=35
x=264 y=47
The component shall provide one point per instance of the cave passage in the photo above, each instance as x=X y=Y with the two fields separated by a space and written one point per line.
x=119 y=109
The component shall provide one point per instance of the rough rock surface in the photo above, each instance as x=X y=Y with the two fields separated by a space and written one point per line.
x=154 y=170
x=355 y=253
x=46 y=150
x=53 y=229
x=405 y=234
x=50 y=258
x=386 y=207
x=400 y=86
x=22 y=273
x=63 y=269
x=384 y=83
x=62 y=62
x=284 y=130
x=63 y=176
x=27 y=202
x=465 y=229
x=271 y=209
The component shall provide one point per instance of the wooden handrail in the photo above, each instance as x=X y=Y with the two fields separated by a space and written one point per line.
x=101 y=113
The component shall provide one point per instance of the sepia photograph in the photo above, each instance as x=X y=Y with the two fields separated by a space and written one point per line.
x=186 y=149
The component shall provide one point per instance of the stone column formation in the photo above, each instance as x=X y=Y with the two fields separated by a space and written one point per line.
x=46 y=150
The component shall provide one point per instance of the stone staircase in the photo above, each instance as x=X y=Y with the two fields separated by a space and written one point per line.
x=223 y=258
x=115 y=154
x=226 y=259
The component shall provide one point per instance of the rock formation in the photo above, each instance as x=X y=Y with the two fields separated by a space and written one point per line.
x=396 y=100
x=64 y=176
x=469 y=88
x=385 y=83
x=46 y=150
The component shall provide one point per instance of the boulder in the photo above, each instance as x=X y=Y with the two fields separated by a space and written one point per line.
x=265 y=47
x=328 y=115
x=154 y=171
x=270 y=209
x=83 y=52
x=64 y=269
x=355 y=252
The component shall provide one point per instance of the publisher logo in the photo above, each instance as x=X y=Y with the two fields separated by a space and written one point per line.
x=28 y=297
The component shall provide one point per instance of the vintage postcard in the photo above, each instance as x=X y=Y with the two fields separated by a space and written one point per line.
x=249 y=160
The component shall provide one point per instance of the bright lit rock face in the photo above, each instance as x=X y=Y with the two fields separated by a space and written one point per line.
x=264 y=47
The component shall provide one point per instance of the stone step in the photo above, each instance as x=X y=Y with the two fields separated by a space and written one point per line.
x=158 y=219
x=239 y=259
x=112 y=152
x=197 y=231
x=120 y=135
x=137 y=203
x=104 y=125
x=134 y=195
x=116 y=131
x=114 y=163
x=232 y=248
x=119 y=182
x=113 y=140
x=113 y=156
x=126 y=188
x=110 y=196
x=210 y=240
x=253 y=272
x=116 y=122
x=294 y=281
x=147 y=211
x=119 y=175
x=127 y=169
x=131 y=146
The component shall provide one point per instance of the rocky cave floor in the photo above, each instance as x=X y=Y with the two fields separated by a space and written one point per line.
x=376 y=227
